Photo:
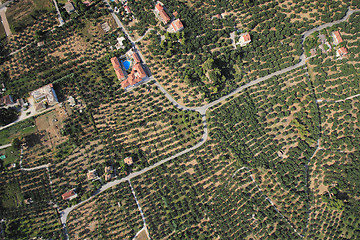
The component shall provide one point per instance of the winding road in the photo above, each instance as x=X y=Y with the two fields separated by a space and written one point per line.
x=201 y=109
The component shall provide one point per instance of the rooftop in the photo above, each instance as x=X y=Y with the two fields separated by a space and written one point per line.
x=137 y=75
x=45 y=94
x=116 y=65
x=69 y=195
x=177 y=25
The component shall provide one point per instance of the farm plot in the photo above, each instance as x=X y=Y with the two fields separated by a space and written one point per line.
x=335 y=78
x=335 y=187
x=340 y=125
x=140 y=123
x=271 y=129
x=178 y=58
x=39 y=145
x=111 y=215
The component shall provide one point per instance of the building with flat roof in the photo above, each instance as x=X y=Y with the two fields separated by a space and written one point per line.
x=69 y=7
x=92 y=175
x=128 y=161
x=45 y=95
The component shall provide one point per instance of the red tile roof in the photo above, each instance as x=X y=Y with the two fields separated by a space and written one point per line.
x=6 y=100
x=116 y=65
x=342 y=51
x=127 y=9
x=136 y=58
x=337 y=37
x=246 y=37
x=159 y=7
x=68 y=194
x=162 y=13
x=137 y=74
x=175 y=13
x=177 y=25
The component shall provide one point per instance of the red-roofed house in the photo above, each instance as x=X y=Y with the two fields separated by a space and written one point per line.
x=177 y=25
x=137 y=75
x=116 y=65
x=341 y=52
x=6 y=100
x=244 y=39
x=69 y=195
x=175 y=13
x=127 y=9
x=337 y=37
x=136 y=57
x=159 y=8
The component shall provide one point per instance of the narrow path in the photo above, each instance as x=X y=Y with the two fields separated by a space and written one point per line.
x=201 y=110
x=5 y=146
x=139 y=207
x=4 y=21
x=35 y=168
x=61 y=20
x=337 y=101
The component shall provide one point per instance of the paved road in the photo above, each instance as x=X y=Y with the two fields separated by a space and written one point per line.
x=147 y=31
x=201 y=110
x=24 y=117
x=5 y=146
x=61 y=20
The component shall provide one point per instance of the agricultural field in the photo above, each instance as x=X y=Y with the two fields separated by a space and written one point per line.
x=334 y=78
x=111 y=215
x=25 y=204
x=176 y=60
x=64 y=50
x=22 y=14
x=259 y=143
x=140 y=123
x=18 y=130
x=38 y=146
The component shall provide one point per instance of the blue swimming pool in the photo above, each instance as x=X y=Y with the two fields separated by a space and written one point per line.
x=126 y=64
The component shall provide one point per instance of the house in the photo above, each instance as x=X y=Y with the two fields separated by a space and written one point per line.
x=108 y=177
x=136 y=76
x=6 y=100
x=337 y=37
x=40 y=44
x=119 y=43
x=69 y=7
x=69 y=195
x=28 y=201
x=105 y=26
x=177 y=25
x=108 y=169
x=175 y=13
x=127 y=9
x=136 y=57
x=45 y=95
x=244 y=39
x=92 y=175
x=159 y=9
x=128 y=161
x=341 y=52
x=117 y=67
x=72 y=101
